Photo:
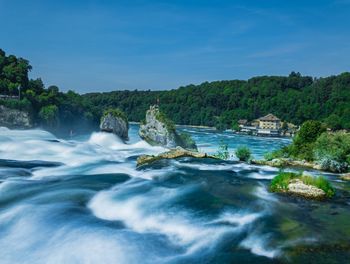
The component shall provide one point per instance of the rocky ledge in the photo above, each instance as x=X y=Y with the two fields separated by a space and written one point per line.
x=285 y=162
x=157 y=129
x=115 y=121
x=14 y=118
x=177 y=152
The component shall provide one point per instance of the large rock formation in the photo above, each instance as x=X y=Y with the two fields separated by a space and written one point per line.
x=115 y=121
x=178 y=152
x=157 y=129
x=13 y=118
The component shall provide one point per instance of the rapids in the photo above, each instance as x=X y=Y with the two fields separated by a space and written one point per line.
x=82 y=200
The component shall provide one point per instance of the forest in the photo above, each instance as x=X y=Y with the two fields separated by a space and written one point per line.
x=294 y=98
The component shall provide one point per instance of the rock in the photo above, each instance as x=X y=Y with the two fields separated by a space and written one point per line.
x=13 y=118
x=345 y=177
x=159 y=130
x=115 y=121
x=297 y=187
x=178 y=152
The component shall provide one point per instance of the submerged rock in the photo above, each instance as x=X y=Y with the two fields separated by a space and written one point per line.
x=14 y=118
x=115 y=121
x=157 y=129
x=178 y=152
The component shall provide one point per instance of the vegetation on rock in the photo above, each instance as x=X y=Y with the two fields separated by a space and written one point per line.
x=330 y=150
x=222 y=152
x=169 y=124
x=281 y=182
x=243 y=153
x=185 y=139
x=116 y=113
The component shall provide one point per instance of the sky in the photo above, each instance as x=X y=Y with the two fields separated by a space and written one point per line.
x=109 y=45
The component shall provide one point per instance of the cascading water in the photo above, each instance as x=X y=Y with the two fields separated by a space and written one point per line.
x=83 y=200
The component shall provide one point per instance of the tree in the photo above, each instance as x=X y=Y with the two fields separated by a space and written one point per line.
x=49 y=115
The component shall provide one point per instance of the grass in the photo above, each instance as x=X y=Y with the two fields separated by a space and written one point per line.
x=281 y=181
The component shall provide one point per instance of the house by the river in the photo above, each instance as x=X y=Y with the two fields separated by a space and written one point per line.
x=267 y=126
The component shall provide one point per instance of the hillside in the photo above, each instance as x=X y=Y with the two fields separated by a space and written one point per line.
x=294 y=98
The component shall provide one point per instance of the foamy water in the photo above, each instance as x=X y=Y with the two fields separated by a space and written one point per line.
x=83 y=200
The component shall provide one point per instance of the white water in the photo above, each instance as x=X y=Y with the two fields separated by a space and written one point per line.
x=82 y=210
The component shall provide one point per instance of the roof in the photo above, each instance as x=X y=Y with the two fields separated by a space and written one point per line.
x=242 y=121
x=269 y=117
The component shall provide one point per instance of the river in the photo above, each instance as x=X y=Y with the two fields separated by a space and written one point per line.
x=82 y=200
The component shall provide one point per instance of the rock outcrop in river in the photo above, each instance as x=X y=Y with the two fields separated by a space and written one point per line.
x=178 y=152
x=157 y=129
x=297 y=187
x=14 y=118
x=115 y=121
x=303 y=185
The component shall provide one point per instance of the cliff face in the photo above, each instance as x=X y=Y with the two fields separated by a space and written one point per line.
x=155 y=131
x=13 y=118
x=114 y=121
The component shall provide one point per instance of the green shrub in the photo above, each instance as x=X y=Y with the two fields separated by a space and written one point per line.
x=49 y=115
x=222 y=152
x=169 y=124
x=277 y=154
x=243 y=153
x=303 y=143
x=116 y=112
x=281 y=181
x=332 y=151
x=185 y=140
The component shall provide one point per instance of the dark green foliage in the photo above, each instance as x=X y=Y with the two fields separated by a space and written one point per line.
x=332 y=151
x=294 y=99
x=185 y=140
x=280 y=153
x=281 y=181
x=49 y=115
x=116 y=113
x=243 y=153
x=234 y=125
x=303 y=142
x=170 y=125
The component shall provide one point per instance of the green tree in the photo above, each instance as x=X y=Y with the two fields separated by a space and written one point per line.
x=49 y=115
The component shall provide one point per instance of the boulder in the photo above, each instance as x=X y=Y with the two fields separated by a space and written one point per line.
x=157 y=129
x=297 y=187
x=115 y=121
x=177 y=152
x=14 y=118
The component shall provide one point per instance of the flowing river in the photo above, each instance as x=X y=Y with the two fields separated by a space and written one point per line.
x=82 y=200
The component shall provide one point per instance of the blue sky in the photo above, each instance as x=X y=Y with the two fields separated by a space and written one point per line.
x=110 y=45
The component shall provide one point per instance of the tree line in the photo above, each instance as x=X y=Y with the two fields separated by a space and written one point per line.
x=294 y=98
